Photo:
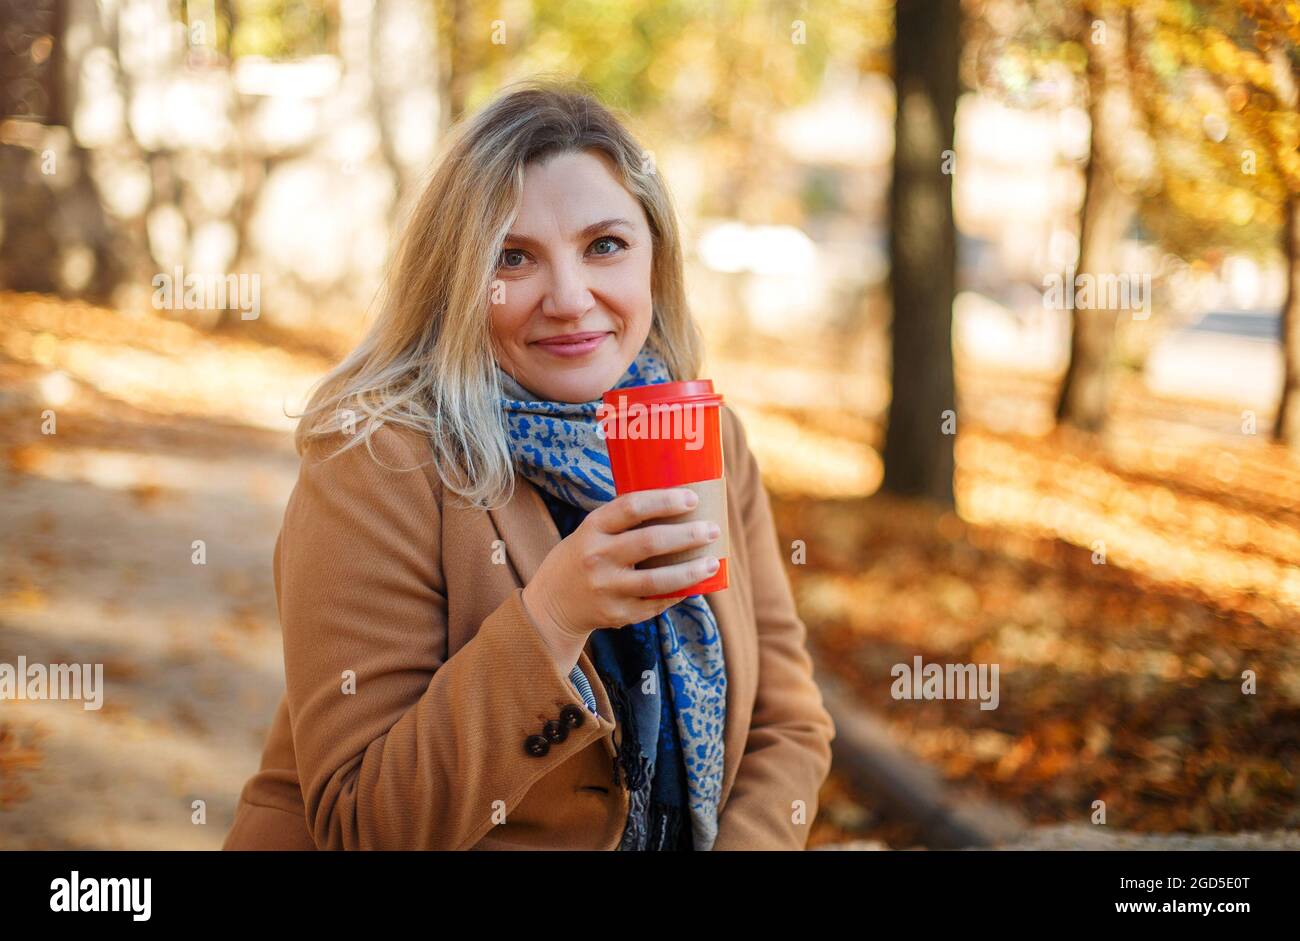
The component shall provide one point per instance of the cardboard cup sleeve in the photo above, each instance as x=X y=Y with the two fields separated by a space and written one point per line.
x=712 y=507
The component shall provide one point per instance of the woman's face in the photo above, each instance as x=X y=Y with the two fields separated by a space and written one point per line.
x=577 y=261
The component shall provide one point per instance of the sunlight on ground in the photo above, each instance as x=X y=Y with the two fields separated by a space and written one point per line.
x=1146 y=525
x=147 y=476
x=156 y=364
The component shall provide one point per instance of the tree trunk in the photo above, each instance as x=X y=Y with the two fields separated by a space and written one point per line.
x=1287 y=426
x=923 y=252
x=29 y=96
x=454 y=71
x=1085 y=391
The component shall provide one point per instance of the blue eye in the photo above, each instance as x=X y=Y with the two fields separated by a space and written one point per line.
x=612 y=239
x=506 y=254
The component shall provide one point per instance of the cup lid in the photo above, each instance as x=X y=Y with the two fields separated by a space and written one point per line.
x=687 y=392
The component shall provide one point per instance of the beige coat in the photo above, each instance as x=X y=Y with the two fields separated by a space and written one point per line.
x=378 y=577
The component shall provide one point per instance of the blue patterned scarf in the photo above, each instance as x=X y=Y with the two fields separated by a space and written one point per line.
x=672 y=733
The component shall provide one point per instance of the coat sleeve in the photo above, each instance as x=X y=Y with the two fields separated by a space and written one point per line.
x=397 y=749
x=787 y=755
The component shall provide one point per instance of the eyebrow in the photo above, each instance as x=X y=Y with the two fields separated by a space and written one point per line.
x=585 y=233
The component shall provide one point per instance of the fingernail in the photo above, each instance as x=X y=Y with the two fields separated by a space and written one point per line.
x=711 y=566
x=714 y=531
x=691 y=498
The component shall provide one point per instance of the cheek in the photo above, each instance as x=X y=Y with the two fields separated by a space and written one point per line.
x=630 y=283
x=511 y=315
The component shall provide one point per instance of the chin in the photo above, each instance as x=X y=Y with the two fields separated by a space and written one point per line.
x=581 y=390
x=581 y=383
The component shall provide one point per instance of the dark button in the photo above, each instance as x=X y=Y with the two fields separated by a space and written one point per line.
x=536 y=746
x=571 y=716
x=555 y=732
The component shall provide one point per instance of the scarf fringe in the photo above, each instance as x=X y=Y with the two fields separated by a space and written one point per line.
x=665 y=826
x=627 y=751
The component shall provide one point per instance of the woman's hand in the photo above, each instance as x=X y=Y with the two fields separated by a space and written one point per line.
x=590 y=581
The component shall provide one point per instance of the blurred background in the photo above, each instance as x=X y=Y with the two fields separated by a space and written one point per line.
x=1007 y=294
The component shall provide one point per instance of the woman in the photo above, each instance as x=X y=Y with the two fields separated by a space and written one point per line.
x=452 y=677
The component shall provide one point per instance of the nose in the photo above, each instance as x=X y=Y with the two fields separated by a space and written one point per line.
x=567 y=295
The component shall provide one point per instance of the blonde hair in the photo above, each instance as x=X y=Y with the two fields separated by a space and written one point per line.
x=427 y=362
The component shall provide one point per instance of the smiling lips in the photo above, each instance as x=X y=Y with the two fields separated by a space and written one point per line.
x=572 y=344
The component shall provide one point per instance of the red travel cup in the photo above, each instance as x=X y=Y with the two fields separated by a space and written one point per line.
x=670 y=435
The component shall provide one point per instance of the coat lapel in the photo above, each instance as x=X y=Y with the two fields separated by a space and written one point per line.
x=526 y=529
x=528 y=534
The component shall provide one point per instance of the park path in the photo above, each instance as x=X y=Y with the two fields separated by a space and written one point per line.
x=96 y=554
x=97 y=526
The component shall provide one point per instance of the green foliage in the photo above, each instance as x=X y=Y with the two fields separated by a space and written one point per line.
x=1223 y=134
x=651 y=56
x=1205 y=90
x=283 y=29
